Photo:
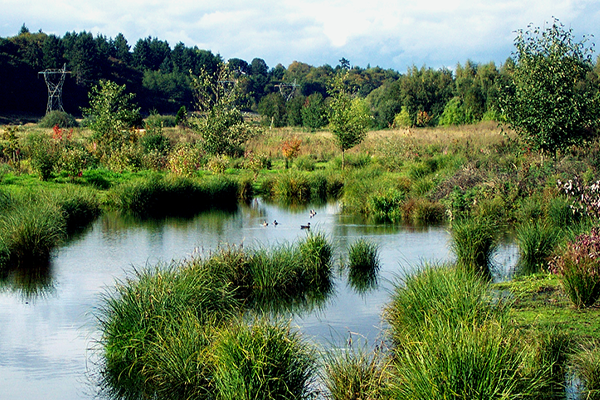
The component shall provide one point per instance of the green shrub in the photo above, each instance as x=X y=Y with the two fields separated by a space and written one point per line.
x=58 y=118
x=185 y=160
x=305 y=163
x=386 y=206
x=292 y=187
x=44 y=153
x=157 y=120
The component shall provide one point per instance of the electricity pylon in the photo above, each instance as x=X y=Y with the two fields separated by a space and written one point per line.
x=55 y=78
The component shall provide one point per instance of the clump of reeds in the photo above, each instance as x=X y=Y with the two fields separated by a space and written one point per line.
x=316 y=253
x=537 y=241
x=451 y=294
x=474 y=242
x=146 y=312
x=28 y=233
x=261 y=360
x=363 y=265
x=587 y=367
x=452 y=340
x=80 y=206
x=354 y=373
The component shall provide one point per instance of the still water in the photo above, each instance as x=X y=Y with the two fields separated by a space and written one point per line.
x=47 y=324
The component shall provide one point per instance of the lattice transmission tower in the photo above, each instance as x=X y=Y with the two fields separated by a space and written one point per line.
x=55 y=78
x=287 y=90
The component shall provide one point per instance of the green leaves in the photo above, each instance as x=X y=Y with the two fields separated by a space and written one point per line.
x=549 y=102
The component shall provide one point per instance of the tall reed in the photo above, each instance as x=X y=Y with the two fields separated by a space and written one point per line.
x=363 y=265
x=537 y=240
x=262 y=360
x=354 y=373
x=474 y=242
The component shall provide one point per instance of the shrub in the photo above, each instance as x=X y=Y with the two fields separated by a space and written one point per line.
x=58 y=118
x=579 y=269
x=44 y=153
x=185 y=160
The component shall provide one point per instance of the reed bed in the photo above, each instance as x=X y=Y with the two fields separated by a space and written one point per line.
x=587 y=366
x=158 y=196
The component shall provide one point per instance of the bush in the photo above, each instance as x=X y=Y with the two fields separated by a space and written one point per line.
x=44 y=153
x=58 y=118
x=579 y=268
x=185 y=160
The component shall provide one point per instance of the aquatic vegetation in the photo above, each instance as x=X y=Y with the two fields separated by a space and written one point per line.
x=355 y=373
x=157 y=196
x=262 y=360
x=579 y=269
x=474 y=242
x=537 y=241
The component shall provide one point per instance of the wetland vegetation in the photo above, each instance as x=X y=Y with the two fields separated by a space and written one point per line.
x=216 y=327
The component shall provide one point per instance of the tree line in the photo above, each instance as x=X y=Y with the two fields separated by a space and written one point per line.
x=161 y=78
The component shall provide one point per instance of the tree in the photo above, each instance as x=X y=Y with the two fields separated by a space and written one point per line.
x=548 y=101
x=221 y=124
x=111 y=114
x=349 y=116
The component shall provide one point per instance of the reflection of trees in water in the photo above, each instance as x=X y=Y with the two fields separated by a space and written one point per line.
x=32 y=280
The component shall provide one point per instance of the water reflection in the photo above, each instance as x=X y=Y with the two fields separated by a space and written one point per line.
x=29 y=281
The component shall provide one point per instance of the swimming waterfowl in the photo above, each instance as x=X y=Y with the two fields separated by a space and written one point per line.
x=275 y=223
x=265 y=223
x=307 y=226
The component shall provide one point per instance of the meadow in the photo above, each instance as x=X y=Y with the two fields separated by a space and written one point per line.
x=178 y=331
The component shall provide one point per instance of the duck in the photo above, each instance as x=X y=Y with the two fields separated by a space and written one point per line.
x=312 y=213
x=307 y=226
x=265 y=223
x=275 y=223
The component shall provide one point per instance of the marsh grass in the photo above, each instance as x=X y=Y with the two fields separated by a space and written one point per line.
x=537 y=241
x=587 y=366
x=144 y=315
x=262 y=360
x=316 y=255
x=29 y=233
x=157 y=196
x=354 y=373
x=474 y=242
x=446 y=293
x=452 y=339
x=464 y=361
x=363 y=265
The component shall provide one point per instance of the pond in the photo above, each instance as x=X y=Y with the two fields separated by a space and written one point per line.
x=47 y=324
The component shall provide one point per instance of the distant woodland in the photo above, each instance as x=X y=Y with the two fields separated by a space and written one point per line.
x=160 y=76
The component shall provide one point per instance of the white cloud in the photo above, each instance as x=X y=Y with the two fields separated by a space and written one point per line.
x=390 y=34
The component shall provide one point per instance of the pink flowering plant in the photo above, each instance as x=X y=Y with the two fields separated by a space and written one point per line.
x=579 y=269
x=586 y=197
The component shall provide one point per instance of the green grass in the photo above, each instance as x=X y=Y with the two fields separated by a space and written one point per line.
x=261 y=360
x=537 y=241
x=587 y=366
x=363 y=265
x=474 y=242
x=354 y=373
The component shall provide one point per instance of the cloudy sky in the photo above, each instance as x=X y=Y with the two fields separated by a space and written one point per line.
x=391 y=34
